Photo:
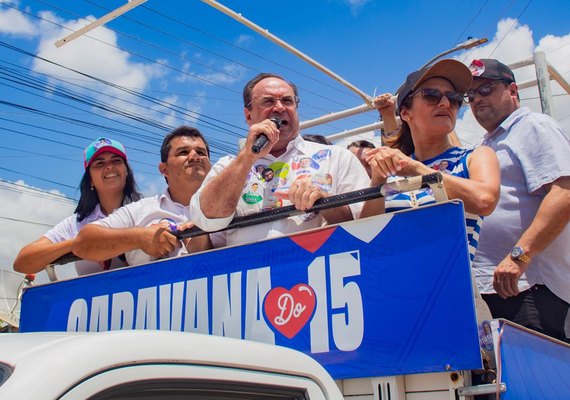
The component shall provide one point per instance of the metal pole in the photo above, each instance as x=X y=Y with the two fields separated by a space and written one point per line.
x=339 y=115
x=522 y=63
x=356 y=131
x=543 y=78
x=473 y=42
x=559 y=78
x=287 y=46
x=334 y=116
x=100 y=21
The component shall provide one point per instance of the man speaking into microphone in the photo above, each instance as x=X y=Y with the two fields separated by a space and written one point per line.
x=303 y=171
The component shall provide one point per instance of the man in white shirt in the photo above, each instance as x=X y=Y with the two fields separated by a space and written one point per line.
x=303 y=171
x=143 y=230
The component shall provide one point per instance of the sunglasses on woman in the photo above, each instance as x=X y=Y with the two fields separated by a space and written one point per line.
x=433 y=97
x=483 y=90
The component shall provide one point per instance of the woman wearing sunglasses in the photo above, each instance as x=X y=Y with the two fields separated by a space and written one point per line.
x=107 y=184
x=429 y=101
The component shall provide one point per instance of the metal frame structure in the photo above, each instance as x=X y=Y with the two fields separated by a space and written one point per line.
x=544 y=71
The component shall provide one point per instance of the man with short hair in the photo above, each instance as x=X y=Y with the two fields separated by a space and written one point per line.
x=224 y=192
x=360 y=149
x=522 y=265
x=143 y=230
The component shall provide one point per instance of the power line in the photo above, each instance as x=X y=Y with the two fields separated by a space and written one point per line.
x=24 y=189
x=214 y=143
x=470 y=22
x=37 y=177
x=511 y=28
x=227 y=58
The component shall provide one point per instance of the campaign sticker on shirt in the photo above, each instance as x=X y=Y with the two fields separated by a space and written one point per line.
x=443 y=167
x=170 y=223
x=259 y=169
x=252 y=197
x=322 y=155
x=486 y=335
x=322 y=181
x=280 y=169
x=303 y=165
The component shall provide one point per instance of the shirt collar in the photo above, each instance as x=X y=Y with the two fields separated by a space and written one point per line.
x=507 y=124
x=165 y=197
x=97 y=212
x=298 y=143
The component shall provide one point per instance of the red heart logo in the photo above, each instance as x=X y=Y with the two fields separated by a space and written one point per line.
x=290 y=310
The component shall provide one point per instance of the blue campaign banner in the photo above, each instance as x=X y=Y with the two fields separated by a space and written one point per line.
x=387 y=295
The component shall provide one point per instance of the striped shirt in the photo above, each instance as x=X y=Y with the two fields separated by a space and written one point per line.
x=453 y=162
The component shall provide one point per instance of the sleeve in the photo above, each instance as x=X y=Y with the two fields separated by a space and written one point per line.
x=351 y=176
x=196 y=214
x=543 y=152
x=65 y=230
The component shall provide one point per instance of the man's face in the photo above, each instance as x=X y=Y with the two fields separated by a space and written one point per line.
x=491 y=110
x=277 y=89
x=361 y=153
x=268 y=176
x=187 y=161
x=305 y=163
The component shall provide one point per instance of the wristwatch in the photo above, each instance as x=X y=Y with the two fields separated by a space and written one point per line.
x=517 y=253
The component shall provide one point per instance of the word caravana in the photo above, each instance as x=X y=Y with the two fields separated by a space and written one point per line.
x=182 y=306
x=331 y=303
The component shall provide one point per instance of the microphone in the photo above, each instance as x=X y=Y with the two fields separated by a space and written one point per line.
x=262 y=140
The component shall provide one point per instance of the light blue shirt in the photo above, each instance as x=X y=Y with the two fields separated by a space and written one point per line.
x=533 y=151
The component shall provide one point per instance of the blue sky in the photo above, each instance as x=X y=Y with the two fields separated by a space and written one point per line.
x=175 y=62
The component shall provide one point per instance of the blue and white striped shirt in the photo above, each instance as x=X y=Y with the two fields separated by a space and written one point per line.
x=454 y=162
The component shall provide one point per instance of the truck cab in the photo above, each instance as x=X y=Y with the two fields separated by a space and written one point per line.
x=155 y=365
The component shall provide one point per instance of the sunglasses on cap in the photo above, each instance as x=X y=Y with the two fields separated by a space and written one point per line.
x=483 y=90
x=433 y=97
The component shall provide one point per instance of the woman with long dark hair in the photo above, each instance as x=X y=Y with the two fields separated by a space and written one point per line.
x=107 y=184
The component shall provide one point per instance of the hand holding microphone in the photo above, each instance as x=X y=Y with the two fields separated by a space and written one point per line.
x=262 y=140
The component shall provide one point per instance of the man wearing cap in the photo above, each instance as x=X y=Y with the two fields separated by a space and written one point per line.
x=299 y=168
x=143 y=230
x=523 y=261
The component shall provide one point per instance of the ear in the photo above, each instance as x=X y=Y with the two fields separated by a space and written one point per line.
x=247 y=114
x=162 y=169
x=405 y=114
x=513 y=89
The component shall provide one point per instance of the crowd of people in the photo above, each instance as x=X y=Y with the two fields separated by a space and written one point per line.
x=515 y=187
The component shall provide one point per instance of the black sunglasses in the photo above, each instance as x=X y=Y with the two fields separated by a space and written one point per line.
x=433 y=97
x=483 y=90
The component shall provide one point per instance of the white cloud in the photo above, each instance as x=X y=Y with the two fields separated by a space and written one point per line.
x=90 y=55
x=514 y=42
x=14 y=22
x=244 y=40
x=97 y=55
x=230 y=73
x=24 y=203
x=356 y=5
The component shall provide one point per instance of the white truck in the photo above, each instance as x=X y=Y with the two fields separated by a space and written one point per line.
x=155 y=365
